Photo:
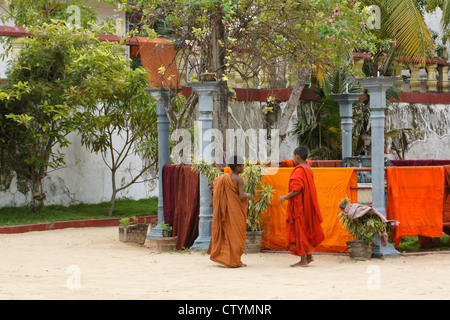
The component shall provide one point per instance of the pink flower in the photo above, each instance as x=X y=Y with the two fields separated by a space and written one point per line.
x=352 y=2
x=226 y=23
x=395 y=223
x=362 y=24
x=395 y=42
x=337 y=11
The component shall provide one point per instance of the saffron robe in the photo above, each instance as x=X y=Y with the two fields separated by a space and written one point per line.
x=229 y=225
x=303 y=217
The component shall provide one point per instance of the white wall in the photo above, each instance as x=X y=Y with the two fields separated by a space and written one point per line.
x=433 y=122
x=86 y=179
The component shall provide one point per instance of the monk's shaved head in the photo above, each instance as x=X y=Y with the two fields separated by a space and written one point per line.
x=302 y=152
x=235 y=161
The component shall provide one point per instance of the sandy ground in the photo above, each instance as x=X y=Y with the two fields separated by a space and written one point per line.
x=91 y=263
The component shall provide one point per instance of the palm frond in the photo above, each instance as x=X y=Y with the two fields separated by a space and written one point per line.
x=446 y=14
x=404 y=22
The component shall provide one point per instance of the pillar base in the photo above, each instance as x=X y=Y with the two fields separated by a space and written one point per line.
x=201 y=243
x=156 y=232
x=380 y=251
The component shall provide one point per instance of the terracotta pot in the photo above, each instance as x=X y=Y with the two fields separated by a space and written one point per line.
x=166 y=243
x=360 y=250
x=253 y=241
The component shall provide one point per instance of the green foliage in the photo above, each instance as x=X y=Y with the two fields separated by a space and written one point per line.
x=315 y=34
x=39 y=108
x=205 y=169
x=66 y=80
x=124 y=208
x=166 y=229
x=321 y=132
x=27 y=13
x=363 y=228
x=24 y=13
x=411 y=244
x=128 y=221
x=113 y=104
x=262 y=193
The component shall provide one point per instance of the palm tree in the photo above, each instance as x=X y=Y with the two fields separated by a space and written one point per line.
x=403 y=23
x=446 y=14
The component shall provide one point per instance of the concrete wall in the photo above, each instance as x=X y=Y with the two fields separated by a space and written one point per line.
x=433 y=123
x=86 y=179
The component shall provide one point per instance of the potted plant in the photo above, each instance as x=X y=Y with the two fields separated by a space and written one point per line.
x=261 y=198
x=166 y=242
x=363 y=227
x=130 y=230
x=262 y=195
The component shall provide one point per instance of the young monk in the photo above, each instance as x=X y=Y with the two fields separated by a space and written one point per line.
x=229 y=225
x=303 y=216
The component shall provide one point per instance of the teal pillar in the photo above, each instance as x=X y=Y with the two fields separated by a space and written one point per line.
x=346 y=101
x=205 y=91
x=377 y=87
x=162 y=99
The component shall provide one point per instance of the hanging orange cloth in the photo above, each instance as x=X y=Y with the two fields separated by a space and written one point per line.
x=447 y=194
x=415 y=198
x=229 y=225
x=332 y=185
x=303 y=216
x=158 y=58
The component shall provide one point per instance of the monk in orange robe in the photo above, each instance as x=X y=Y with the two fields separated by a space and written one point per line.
x=229 y=225
x=303 y=216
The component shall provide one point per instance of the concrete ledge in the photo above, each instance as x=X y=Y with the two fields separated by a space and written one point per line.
x=88 y=223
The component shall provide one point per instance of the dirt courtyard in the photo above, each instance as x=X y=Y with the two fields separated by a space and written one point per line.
x=91 y=263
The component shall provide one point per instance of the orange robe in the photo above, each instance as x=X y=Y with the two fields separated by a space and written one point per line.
x=229 y=225
x=290 y=163
x=303 y=216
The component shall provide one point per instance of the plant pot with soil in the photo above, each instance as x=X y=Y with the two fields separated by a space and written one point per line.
x=363 y=223
x=132 y=231
x=166 y=242
x=257 y=206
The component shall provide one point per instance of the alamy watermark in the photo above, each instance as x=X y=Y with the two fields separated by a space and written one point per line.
x=73 y=281
x=374 y=280
x=373 y=21
x=255 y=145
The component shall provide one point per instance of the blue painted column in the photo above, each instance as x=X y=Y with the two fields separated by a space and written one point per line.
x=377 y=87
x=346 y=101
x=162 y=99
x=205 y=91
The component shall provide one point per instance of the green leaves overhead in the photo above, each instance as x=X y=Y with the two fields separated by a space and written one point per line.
x=402 y=21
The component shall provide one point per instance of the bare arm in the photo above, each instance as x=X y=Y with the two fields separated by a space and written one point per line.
x=289 y=195
x=242 y=193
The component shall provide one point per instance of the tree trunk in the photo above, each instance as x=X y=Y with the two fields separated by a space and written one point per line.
x=114 y=193
x=111 y=203
x=218 y=65
x=292 y=102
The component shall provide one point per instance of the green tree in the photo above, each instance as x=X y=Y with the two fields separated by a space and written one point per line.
x=28 y=13
x=41 y=113
x=402 y=22
x=444 y=5
x=65 y=81
x=311 y=35
x=24 y=13
x=117 y=117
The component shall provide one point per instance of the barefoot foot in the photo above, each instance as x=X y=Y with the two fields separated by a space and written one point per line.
x=299 y=264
